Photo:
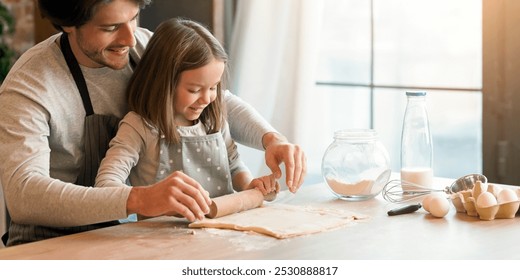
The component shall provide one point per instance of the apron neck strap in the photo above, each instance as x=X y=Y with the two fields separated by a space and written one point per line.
x=75 y=70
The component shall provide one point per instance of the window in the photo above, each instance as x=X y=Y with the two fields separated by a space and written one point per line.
x=372 y=52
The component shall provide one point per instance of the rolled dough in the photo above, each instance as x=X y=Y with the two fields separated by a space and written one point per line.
x=281 y=220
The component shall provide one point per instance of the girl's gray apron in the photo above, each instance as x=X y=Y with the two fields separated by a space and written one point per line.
x=99 y=130
x=203 y=158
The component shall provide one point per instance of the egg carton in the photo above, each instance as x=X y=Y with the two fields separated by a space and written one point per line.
x=487 y=201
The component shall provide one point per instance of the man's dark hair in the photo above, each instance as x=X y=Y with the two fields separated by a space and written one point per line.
x=73 y=12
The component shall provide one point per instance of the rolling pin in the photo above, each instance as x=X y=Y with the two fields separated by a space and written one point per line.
x=237 y=202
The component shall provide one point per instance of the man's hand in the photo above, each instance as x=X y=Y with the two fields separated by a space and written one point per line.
x=178 y=194
x=277 y=151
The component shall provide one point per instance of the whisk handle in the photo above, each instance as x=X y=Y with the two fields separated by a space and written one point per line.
x=404 y=210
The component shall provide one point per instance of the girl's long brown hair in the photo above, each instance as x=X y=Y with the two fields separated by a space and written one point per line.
x=176 y=46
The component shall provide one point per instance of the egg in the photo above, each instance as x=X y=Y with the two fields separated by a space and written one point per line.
x=506 y=195
x=439 y=206
x=494 y=189
x=486 y=199
x=426 y=201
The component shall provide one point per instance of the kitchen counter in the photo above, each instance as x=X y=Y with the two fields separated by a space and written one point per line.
x=405 y=237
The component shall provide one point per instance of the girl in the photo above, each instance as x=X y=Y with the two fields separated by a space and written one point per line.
x=176 y=121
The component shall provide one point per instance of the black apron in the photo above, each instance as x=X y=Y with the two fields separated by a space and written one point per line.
x=99 y=130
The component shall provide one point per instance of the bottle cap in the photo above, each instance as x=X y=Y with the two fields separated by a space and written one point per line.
x=416 y=93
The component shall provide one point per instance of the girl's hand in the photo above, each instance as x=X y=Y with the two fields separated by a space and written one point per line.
x=265 y=184
x=277 y=151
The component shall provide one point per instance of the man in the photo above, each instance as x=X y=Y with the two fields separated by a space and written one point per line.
x=59 y=108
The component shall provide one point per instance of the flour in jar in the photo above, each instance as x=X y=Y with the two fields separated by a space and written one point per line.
x=362 y=187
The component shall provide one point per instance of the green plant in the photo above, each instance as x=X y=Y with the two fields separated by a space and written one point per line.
x=7 y=55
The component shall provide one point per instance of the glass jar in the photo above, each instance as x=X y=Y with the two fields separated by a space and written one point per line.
x=356 y=165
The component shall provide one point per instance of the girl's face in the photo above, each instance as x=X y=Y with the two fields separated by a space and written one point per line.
x=196 y=89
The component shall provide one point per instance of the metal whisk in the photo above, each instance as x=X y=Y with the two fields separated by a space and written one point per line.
x=397 y=191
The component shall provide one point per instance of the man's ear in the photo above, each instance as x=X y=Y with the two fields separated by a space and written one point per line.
x=67 y=29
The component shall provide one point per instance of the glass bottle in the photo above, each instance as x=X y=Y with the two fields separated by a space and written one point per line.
x=416 y=142
x=356 y=164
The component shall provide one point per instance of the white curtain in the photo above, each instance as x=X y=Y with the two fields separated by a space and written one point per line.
x=273 y=55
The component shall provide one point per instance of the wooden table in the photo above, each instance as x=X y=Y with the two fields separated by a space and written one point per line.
x=411 y=236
